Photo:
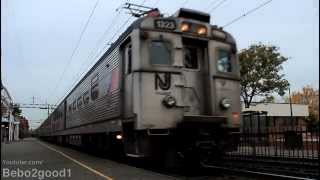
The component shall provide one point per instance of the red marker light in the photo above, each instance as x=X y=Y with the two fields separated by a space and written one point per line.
x=235 y=118
x=153 y=13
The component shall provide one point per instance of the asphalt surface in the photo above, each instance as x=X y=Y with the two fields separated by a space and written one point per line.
x=34 y=159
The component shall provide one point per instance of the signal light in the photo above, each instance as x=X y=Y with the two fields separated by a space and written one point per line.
x=184 y=27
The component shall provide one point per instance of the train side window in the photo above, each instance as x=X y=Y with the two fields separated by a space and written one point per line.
x=160 y=53
x=70 y=108
x=86 y=97
x=79 y=102
x=128 y=59
x=224 y=61
x=95 y=87
x=190 y=58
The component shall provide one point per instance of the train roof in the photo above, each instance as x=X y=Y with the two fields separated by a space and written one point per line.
x=192 y=14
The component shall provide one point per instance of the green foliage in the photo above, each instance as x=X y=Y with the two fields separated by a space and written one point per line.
x=268 y=99
x=260 y=67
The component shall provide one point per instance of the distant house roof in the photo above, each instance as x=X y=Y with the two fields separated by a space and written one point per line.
x=279 y=109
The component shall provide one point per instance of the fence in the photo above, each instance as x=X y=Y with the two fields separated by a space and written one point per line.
x=257 y=140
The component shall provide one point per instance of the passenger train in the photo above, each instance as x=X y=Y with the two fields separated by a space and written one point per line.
x=168 y=88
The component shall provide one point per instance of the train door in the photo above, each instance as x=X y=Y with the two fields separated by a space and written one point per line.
x=225 y=81
x=194 y=55
x=128 y=82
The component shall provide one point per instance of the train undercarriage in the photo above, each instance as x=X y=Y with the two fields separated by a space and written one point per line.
x=195 y=140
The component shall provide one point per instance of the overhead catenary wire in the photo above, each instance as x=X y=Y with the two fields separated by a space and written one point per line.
x=247 y=13
x=76 y=46
x=91 y=64
x=208 y=7
x=93 y=50
x=99 y=54
x=107 y=30
x=91 y=54
x=184 y=3
x=116 y=33
x=216 y=6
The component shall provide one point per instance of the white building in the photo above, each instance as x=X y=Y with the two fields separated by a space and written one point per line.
x=279 y=109
x=279 y=114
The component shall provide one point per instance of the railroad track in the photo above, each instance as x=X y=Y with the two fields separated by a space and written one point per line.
x=263 y=169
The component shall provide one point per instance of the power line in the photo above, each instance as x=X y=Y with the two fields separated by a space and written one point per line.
x=218 y=5
x=104 y=34
x=114 y=35
x=107 y=30
x=77 y=45
x=91 y=54
x=247 y=13
x=184 y=3
x=117 y=31
x=108 y=44
x=210 y=4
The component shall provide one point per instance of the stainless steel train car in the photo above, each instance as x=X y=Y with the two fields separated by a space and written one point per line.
x=167 y=88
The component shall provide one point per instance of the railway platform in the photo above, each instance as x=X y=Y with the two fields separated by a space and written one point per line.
x=35 y=159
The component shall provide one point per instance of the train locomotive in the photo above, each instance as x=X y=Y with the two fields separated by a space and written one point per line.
x=168 y=88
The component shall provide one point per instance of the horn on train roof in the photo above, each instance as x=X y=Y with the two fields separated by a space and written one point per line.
x=193 y=14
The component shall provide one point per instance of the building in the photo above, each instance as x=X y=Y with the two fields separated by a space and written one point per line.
x=23 y=127
x=9 y=123
x=272 y=123
x=278 y=115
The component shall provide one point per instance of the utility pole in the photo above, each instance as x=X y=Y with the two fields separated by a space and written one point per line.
x=48 y=107
x=291 y=117
x=48 y=110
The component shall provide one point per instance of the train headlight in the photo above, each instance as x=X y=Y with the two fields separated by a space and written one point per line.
x=119 y=136
x=225 y=103
x=185 y=27
x=169 y=101
x=201 y=30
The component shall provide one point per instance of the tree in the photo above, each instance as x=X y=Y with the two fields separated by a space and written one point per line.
x=260 y=67
x=268 y=99
x=310 y=97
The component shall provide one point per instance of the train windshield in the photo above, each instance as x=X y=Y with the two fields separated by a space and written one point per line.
x=224 y=61
x=190 y=58
x=160 y=53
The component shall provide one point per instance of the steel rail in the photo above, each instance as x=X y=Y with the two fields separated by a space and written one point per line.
x=242 y=171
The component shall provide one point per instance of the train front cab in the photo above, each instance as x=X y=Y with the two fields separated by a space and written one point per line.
x=181 y=87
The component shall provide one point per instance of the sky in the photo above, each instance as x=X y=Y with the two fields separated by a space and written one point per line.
x=38 y=38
